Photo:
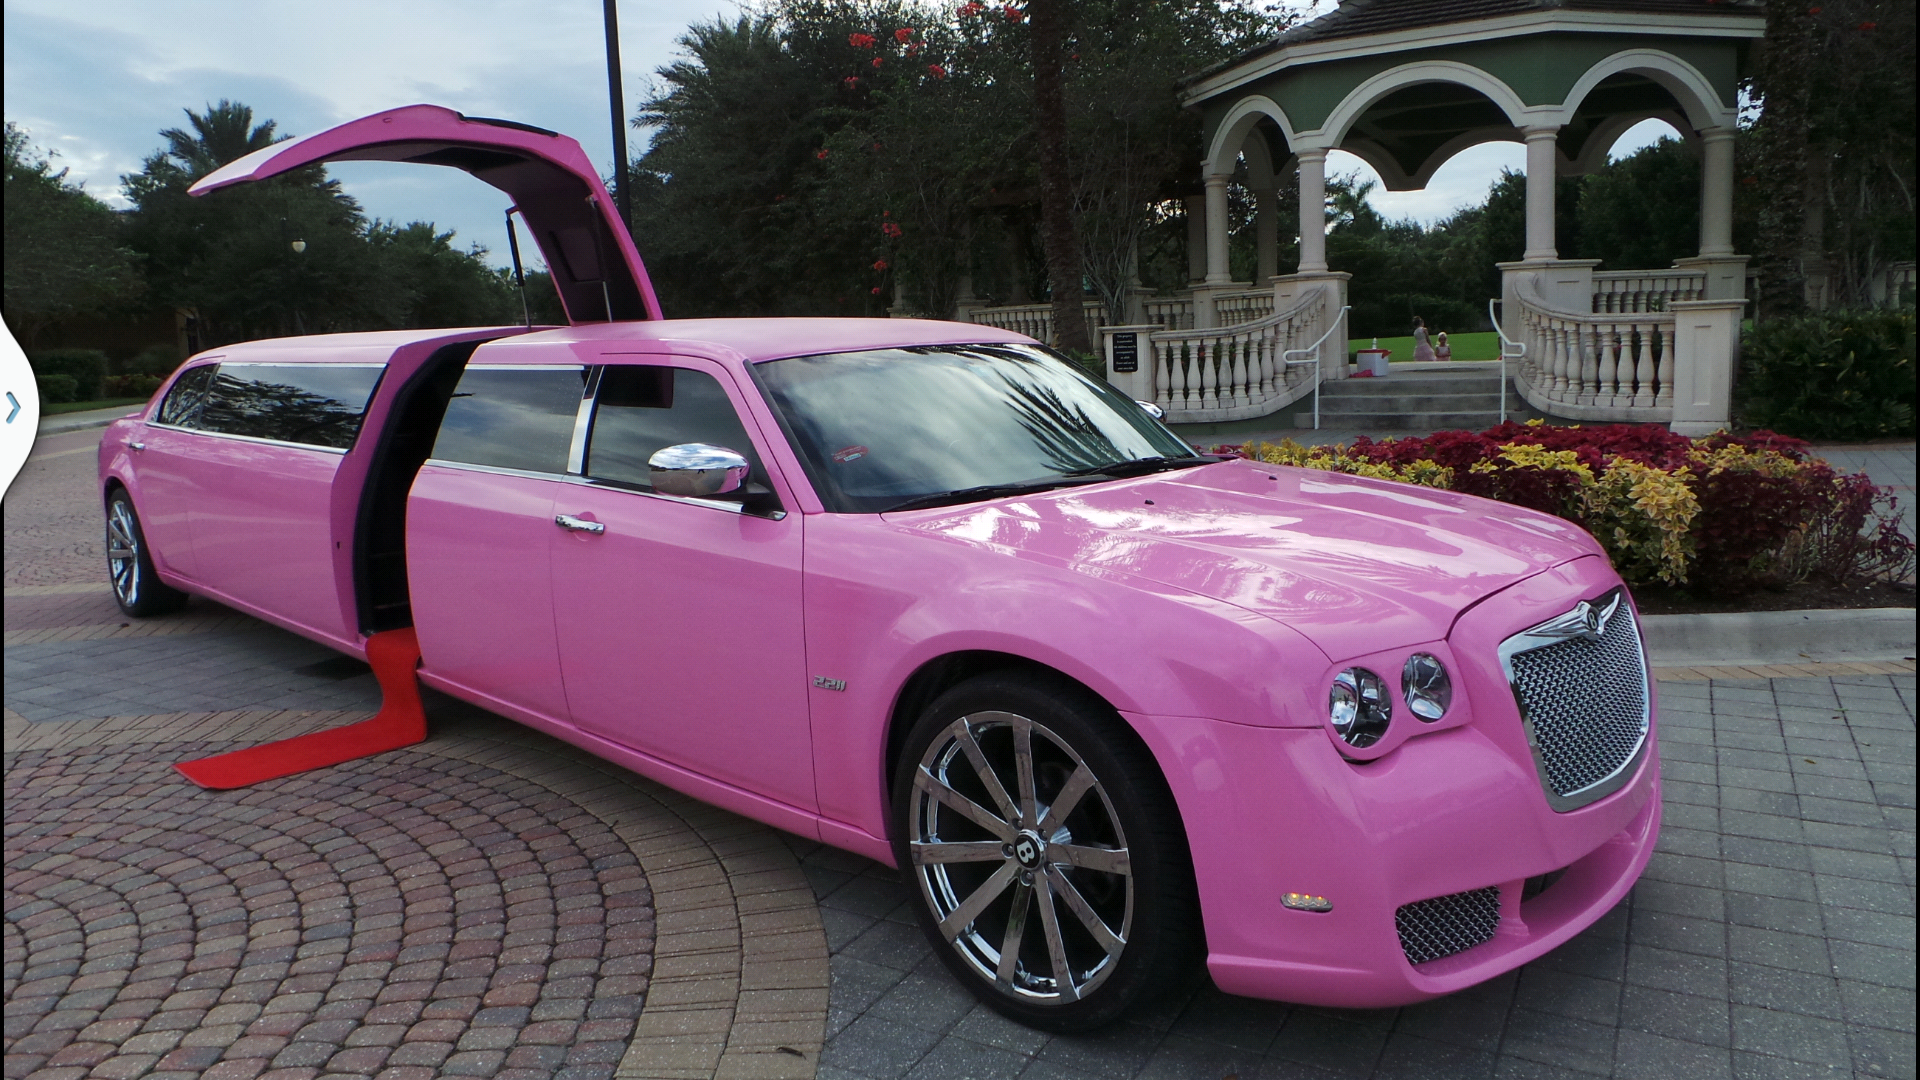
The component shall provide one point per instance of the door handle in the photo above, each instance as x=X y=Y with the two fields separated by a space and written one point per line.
x=574 y=524
x=136 y=446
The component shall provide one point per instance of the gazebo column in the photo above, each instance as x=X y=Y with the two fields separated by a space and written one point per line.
x=1313 y=277
x=1217 y=271
x=1313 y=211
x=1219 y=274
x=1266 y=235
x=1726 y=272
x=1540 y=183
x=1196 y=238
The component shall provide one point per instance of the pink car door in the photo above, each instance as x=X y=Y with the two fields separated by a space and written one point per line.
x=479 y=519
x=262 y=521
x=679 y=619
x=166 y=462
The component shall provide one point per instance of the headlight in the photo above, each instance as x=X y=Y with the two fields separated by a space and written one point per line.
x=1359 y=707
x=1424 y=683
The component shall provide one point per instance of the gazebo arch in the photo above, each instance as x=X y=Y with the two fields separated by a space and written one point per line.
x=1372 y=91
x=1232 y=131
x=1694 y=92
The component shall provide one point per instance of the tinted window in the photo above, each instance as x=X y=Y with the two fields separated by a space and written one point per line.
x=512 y=418
x=643 y=409
x=316 y=404
x=876 y=428
x=187 y=397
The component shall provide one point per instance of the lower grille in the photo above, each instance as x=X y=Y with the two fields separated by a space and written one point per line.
x=1444 y=925
x=1580 y=680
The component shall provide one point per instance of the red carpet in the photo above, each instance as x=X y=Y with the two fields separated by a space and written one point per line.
x=400 y=722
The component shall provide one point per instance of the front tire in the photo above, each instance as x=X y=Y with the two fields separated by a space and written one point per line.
x=1047 y=859
x=136 y=587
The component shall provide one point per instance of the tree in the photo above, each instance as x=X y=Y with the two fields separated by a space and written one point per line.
x=1057 y=232
x=66 y=255
x=1833 y=154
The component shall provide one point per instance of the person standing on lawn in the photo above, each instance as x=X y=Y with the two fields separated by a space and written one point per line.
x=1441 y=350
x=1421 y=350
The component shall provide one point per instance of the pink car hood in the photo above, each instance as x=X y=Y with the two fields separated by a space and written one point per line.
x=1356 y=565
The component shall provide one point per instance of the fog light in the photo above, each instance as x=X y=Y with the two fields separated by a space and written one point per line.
x=1359 y=707
x=1299 y=901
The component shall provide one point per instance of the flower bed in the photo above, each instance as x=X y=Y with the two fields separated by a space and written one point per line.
x=1722 y=514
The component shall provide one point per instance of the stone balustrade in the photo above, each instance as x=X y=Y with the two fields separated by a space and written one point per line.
x=1170 y=312
x=1636 y=291
x=1229 y=373
x=1036 y=320
x=1236 y=308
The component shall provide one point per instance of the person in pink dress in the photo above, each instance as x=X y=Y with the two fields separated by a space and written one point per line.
x=1422 y=352
x=1441 y=350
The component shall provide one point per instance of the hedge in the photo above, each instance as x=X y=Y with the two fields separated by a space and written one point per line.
x=1720 y=514
x=1831 y=375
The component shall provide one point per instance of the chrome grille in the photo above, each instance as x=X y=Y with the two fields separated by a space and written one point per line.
x=1444 y=925
x=1580 y=681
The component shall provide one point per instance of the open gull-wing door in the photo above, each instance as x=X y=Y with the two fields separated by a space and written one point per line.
x=595 y=267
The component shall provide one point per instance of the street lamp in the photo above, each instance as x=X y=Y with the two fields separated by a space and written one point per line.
x=299 y=246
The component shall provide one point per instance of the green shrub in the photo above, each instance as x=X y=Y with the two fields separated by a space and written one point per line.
x=56 y=389
x=1831 y=375
x=124 y=386
x=86 y=367
x=155 y=360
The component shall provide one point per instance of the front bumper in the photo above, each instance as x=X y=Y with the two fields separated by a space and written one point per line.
x=1447 y=814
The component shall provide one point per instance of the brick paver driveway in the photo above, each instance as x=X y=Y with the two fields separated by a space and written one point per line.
x=493 y=903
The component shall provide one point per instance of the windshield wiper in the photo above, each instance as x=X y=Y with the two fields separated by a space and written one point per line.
x=984 y=491
x=1143 y=466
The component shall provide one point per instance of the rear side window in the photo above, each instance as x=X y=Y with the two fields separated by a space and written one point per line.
x=643 y=409
x=313 y=404
x=187 y=397
x=512 y=418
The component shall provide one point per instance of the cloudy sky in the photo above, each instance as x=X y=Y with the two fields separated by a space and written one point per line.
x=97 y=80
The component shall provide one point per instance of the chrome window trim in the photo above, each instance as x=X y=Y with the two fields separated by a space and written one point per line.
x=608 y=485
x=341 y=450
x=1574 y=623
x=302 y=364
x=583 y=422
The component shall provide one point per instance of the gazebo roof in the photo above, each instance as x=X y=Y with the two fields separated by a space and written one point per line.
x=1368 y=18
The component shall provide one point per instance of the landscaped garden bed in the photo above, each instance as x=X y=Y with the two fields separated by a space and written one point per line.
x=1721 y=523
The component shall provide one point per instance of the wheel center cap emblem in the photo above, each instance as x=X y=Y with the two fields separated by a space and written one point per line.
x=1028 y=849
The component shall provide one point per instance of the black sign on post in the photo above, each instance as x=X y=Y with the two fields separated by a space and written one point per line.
x=1126 y=353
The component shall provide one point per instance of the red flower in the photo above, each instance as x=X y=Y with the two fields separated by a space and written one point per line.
x=913 y=49
x=1012 y=13
x=891 y=230
x=1813 y=11
x=936 y=71
x=1869 y=26
x=880 y=264
x=876 y=61
x=820 y=155
x=903 y=33
x=972 y=7
x=851 y=81
x=876 y=290
x=862 y=41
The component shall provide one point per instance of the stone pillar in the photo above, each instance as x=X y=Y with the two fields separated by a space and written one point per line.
x=1313 y=211
x=1196 y=239
x=1266 y=235
x=1706 y=344
x=1716 y=192
x=1540 y=180
x=1218 y=271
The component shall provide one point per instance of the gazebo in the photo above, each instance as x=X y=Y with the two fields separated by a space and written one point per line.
x=1405 y=85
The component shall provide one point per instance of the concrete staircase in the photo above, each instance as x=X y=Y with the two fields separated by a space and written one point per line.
x=1428 y=398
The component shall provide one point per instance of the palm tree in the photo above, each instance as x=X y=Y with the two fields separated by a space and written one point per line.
x=225 y=132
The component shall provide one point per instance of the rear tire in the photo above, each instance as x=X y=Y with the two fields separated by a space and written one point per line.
x=1058 y=920
x=136 y=587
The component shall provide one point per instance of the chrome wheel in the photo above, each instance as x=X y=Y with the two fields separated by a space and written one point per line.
x=1020 y=857
x=123 y=553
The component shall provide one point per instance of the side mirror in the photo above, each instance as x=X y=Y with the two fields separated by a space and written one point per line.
x=697 y=470
x=1153 y=410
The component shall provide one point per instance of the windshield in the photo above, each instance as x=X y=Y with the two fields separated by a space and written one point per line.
x=882 y=428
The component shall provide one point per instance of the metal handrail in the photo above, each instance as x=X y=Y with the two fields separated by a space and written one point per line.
x=1318 y=376
x=1505 y=341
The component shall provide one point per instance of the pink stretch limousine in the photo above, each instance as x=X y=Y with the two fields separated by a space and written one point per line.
x=926 y=592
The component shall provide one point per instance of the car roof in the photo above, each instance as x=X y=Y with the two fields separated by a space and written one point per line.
x=729 y=340
x=737 y=340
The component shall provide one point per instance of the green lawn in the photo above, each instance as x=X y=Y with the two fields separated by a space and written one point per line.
x=82 y=406
x=1484 y=346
